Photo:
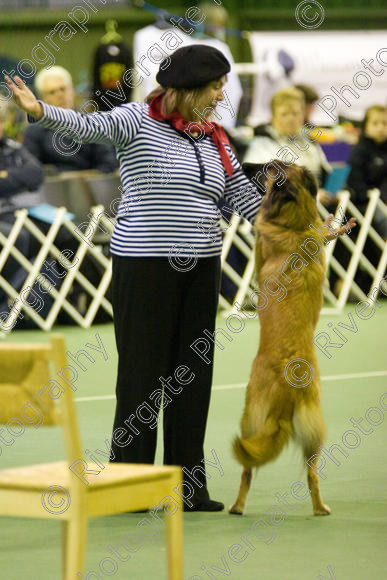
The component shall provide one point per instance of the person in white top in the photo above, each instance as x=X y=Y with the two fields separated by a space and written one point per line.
x=287 y=138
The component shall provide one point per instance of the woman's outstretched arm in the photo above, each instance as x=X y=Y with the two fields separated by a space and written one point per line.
x=117 y=127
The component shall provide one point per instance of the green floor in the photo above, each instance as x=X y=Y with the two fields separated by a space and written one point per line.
x=349 y=544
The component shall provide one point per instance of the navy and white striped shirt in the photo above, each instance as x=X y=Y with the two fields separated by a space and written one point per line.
x=171 y=184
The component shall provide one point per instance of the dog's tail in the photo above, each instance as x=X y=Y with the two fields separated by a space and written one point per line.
x=264 y=446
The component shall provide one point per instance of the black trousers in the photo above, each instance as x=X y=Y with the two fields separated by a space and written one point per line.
x=158 y=313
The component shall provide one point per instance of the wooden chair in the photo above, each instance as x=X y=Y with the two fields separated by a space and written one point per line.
x=118 y=488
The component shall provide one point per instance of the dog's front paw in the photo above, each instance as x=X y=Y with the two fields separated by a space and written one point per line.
x=235 y=510
x=322 y=510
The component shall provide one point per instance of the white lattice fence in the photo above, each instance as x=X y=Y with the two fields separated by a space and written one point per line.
x=22 y=297
x=238 y=233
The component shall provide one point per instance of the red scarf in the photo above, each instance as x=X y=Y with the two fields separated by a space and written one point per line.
x=216 y=132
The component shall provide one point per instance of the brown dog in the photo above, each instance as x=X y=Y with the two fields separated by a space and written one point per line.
x=283 y=397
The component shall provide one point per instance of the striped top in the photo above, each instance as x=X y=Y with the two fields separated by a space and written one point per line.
x=171 y=182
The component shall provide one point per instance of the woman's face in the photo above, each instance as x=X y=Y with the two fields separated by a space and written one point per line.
x=288 y=118
x=376 y=126
x=210 y=93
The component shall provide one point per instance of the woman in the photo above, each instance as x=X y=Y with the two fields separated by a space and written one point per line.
x=166 y=266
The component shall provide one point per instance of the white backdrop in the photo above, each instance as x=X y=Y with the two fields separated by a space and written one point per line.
x=322 y=60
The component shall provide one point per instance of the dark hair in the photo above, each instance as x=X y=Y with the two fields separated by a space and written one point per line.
x=309 y=93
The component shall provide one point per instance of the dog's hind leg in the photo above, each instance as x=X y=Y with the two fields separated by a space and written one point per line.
x=319 y=508
x=309 y=430
x=239 y=506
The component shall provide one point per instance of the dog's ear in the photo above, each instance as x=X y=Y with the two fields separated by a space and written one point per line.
x=254 y=172
x=310 y=182
x=251 y=169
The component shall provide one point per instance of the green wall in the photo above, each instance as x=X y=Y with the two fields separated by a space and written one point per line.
x=20 y=31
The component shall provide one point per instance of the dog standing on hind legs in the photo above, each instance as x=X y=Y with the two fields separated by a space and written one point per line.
x=290 y=269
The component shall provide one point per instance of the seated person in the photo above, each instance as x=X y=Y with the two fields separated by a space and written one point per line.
x=20 y=175
x=369 y=164
x=288 y=111
x=55 y=87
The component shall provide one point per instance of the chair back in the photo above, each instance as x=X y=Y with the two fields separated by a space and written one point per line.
x=29 y=390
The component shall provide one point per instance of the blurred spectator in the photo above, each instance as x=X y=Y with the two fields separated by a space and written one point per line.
x=215 y=21
x=311 y=98
x=16 y=121
x=288 y=111
x=369 y=164
x=20 y=174
x=55 y=87
x=213 y=32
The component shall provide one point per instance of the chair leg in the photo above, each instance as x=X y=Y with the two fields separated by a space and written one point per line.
x=174 y=537
x=74 y=537
x=64 y=547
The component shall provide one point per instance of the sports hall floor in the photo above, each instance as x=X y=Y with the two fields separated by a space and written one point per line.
x=349 y=544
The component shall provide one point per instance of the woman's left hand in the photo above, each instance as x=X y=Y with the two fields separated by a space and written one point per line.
x=340 y=231
x=24 y=97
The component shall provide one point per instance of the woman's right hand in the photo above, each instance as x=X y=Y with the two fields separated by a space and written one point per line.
x=24 y=97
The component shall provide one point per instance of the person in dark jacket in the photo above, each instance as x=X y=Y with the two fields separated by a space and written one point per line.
x=13 y=181
x=56 y=88
x=369 y=164
x=20 y=175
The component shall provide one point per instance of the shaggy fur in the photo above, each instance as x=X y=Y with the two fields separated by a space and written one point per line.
x=275 y=411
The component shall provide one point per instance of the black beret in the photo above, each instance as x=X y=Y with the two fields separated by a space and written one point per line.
x=193 y=66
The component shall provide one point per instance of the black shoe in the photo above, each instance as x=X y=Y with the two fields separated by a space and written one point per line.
x=209 y=505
